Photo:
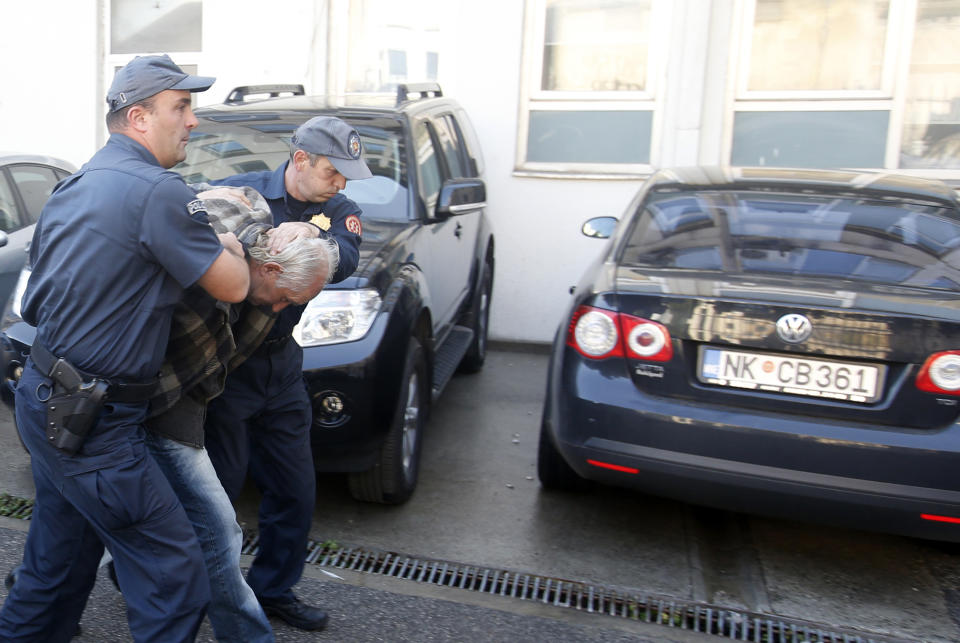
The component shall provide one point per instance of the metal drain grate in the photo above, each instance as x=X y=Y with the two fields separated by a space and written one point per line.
x=687 y=615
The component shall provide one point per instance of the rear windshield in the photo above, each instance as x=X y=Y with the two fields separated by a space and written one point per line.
x=891 y=242
x=222 y=148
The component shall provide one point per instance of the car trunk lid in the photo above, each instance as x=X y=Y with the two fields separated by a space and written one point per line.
x=730 y=325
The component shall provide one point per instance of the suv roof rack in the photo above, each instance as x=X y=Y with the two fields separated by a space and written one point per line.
x=426 y=90
x=239 y=94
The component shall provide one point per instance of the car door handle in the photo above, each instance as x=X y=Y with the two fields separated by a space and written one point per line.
x=458 y=230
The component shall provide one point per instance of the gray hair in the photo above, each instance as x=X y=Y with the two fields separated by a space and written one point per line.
x=301 y=260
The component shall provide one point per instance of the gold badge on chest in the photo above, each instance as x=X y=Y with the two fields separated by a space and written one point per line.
x=321 y=220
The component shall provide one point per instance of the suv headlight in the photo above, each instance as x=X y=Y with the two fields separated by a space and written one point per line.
x=336 y=316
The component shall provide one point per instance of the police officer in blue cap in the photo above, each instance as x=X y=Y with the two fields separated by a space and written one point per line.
x=262 y=420
x=114 y=249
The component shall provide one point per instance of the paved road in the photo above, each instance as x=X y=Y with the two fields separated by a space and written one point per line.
x=479 y=505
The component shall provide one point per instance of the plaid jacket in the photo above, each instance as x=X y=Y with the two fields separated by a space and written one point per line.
x=209 y=338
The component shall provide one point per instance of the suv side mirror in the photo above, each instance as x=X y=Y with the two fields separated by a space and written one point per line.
x=3 y=238
x=459 y=196
x=599 y=227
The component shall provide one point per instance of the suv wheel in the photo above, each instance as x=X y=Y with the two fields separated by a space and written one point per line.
x=394 y=476
x=480 y=319
x=553 y=470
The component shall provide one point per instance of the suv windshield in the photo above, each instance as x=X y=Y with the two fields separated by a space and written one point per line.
x=228 y=144
x=891 y=242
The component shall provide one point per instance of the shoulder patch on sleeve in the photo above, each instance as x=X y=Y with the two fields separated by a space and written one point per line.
x=352 y=224
x=198 y=211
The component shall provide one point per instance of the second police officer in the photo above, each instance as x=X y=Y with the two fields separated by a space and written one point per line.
x=261 y=422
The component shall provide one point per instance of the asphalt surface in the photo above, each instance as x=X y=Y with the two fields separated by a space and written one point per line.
x=479 y=503
x=360 y=612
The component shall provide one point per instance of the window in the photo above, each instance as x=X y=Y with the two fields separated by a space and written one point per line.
x=796 y=45
x=35 y=184
x=848 y=83
x=159 y=26
x=452 y=147
x=589 y=95
x=841 y=237
x=227 y=147
x=137 y=28
x=428 y=165
x=9 y=212
x=931 y=121
x=797 y=105
x=387 y=43
x=397 y=62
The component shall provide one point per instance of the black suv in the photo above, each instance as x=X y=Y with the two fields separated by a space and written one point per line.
x=380 y=346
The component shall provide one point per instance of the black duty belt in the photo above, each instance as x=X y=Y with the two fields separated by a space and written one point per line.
x=69 y=376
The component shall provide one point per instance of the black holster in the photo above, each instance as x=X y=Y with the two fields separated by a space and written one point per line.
x=77 y=397
x=72 y=413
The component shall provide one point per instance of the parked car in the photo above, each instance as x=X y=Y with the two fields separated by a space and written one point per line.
x=380 y=346
x=26 y=181
x=773 y=341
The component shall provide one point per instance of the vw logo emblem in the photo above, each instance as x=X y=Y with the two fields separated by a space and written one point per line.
x=794 y=328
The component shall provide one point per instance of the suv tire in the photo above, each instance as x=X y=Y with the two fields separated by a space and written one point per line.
x=473 y=360
x=394 y=476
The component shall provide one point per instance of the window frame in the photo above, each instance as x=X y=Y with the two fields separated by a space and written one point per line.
x=112 y=62
x=533 y=98
x=27 y=215
x=887 y=73
x=445 y=126
x=890 y=98
x=18 y=216
x=427 y=204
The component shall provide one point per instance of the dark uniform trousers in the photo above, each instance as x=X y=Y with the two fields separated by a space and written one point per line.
x=111 y=493
x=261 y=423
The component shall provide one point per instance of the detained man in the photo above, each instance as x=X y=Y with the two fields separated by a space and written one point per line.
x=208 y=339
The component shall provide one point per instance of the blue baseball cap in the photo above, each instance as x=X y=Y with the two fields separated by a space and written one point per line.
x=333 y=138
x=145 y=76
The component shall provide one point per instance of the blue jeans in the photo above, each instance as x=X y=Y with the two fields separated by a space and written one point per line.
x=234 y=611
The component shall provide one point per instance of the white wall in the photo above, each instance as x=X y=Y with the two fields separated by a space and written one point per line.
x=540 y=251
x=51 y=102
x=50 y=77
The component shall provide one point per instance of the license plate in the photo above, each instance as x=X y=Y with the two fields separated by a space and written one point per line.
x=855 y=382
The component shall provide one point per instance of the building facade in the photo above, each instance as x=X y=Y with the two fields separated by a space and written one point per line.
x=575 y=101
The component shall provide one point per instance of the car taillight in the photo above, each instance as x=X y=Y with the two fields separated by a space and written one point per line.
x=599 y=334
x=941 y=373
x=593 y=332
x=646 y=339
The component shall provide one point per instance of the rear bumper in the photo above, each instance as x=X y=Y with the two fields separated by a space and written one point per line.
x=864 y=476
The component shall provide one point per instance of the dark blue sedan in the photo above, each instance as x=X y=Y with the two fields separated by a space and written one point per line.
x=784 y=342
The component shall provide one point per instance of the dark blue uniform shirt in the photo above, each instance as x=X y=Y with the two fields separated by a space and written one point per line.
x=284 y=208
x=113 y=250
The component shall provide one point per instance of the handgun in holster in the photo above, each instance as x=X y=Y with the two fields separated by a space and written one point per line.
x=73 y=407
